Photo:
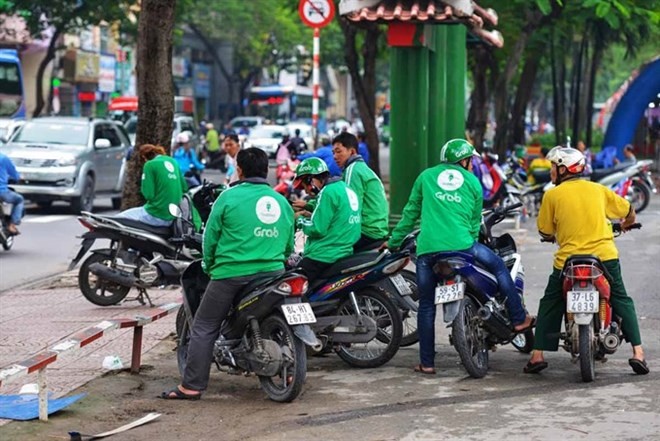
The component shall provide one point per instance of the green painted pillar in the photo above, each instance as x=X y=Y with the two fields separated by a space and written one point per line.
x=409 y=73
x=456 y=74
x=437 y=94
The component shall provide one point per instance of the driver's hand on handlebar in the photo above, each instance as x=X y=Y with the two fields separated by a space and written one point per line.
x=302 y=213
x=384 y=246
x=299 y=204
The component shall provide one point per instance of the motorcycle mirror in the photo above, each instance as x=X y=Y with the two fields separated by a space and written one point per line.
x=175 y=210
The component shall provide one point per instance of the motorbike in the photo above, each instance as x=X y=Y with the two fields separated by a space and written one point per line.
x=497 y=190
x=140 y=255
x=6 y=238
x=265 y=332
x=285 y=174
x=469 y=297
x=592 y=331
x=354 y=307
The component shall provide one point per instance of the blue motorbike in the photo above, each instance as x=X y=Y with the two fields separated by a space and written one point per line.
x=471 y=303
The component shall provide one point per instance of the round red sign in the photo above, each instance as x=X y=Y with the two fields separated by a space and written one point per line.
x=316 y=13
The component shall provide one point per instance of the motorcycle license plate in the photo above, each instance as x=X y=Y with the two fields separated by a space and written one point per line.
x=298 y=313
x=401 y=284
x=449 y=293
x=582 y=301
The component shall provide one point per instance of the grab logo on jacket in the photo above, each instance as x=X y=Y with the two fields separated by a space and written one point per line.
x=268 y=210
x=353 y=200
x=450 y=180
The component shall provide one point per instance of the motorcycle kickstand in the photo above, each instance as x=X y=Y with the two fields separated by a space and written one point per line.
x=142 y=294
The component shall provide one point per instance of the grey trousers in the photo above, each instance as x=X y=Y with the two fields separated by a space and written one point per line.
x=213 y=310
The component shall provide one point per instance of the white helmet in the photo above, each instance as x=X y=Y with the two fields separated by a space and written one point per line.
x=182 y=138
x=571 y=158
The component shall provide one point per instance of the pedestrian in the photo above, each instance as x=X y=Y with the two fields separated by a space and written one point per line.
x=187 y=159
x=368 y=188
x=363 y=149
x=325 y=153
x=582 y=147
x=8 y=173
x=447 y=200
x=162 y=184
x=235 y=253
x=231 y=146
x=575 y=213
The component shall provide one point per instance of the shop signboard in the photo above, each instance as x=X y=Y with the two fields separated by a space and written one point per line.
x=107 y=73
x=202 y=80
x=87 y=67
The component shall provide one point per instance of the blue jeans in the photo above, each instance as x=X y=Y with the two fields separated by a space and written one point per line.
x=427 y=281
x=18 y=208
x=141 y=215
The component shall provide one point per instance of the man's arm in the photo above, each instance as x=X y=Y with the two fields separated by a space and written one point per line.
x=409 y=216
x=148 y=186
x=545 y=221
x=475 y=221
x=212 y=234
x=319 y=223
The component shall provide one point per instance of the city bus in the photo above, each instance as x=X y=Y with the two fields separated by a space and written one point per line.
x=283 y=104
x=12 y=95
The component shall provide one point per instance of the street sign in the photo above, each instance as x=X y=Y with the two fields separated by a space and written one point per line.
x=316 y=13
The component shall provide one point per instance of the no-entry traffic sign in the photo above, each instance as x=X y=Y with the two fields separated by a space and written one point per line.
x=316 y=13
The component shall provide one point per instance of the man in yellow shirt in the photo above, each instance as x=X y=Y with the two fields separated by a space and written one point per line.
x=538 y=166
x=576 y=214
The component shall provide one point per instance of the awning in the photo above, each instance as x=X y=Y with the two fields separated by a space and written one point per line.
x=125 y=103
x=425 y=12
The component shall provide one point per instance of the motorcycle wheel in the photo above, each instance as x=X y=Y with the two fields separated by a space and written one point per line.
x=469 y=340
x=287 y=384
x=8 y=243
x=641 y=195
x=524 y=341
x=379 y=307
x=410 y=336
x=587 y=353
x=96 y=290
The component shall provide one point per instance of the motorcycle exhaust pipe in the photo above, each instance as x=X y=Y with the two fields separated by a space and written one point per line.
x=610 y=343
x=113 y=275
x=495 y=323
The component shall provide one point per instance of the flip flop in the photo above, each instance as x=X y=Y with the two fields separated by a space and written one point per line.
x=532 y=323
x=534 y=368
x=176 y=394
x=639 y=366
x=424 y=370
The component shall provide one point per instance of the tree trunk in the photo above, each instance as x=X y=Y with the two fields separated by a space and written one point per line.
x=595 y=64
x=50 y=56
x=364 y=85
x=478 y=114
x=523 y=95
x=578 y=79
x=155 y=88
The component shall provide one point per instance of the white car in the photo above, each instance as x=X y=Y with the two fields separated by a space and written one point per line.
x=266 y=137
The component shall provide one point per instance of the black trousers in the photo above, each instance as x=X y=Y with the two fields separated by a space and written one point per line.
x=213 y=310
x=367 y=243
x=313 y=268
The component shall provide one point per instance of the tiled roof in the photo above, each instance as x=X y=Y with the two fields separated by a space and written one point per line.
x=429 y=12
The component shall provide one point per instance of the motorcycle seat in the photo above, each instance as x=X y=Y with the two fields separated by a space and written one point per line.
x=160 y=231
x=252 y=285
x=600 y=173
x=586 y=259
x=352 y=263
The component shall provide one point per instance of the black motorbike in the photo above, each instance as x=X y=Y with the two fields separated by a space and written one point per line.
x=265 y=332
x=6 y=238
x=140 y=256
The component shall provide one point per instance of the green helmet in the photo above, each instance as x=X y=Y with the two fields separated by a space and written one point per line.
x=310 y=166
x=456 y=150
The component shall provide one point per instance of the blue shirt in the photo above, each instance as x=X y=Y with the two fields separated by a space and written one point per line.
x=324 y=153
x=363 y=151
x=187 y=160
x=7 y=172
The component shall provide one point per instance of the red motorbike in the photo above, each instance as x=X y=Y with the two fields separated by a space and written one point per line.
x=285 y=173
x=591 y=329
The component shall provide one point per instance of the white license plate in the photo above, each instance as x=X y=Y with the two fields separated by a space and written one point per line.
x=298 y=313
x=401 y=284
x=449 y=293
x=582 y=301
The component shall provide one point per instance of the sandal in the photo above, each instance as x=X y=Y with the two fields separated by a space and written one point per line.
x=535 y=368
x=177 y=394
x=424 y=370
x=532 y=323
x=639 y=366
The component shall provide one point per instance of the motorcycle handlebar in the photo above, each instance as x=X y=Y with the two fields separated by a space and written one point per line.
x=618 y=229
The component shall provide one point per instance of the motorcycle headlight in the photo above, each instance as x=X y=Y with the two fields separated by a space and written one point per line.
x=63 y=162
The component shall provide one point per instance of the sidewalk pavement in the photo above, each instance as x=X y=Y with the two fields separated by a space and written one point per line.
x=32 y=319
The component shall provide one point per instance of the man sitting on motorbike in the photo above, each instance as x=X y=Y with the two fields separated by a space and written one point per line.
x=539 y=166
x=7 y=172
x=575 y=213
x=335 y=225
x=162 y=185
x=187 y=158
x=368 y=187
x=448 y=199
x=248 y=235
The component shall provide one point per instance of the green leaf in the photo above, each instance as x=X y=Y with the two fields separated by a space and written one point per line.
x=591 y=3
x=622 y=9
x=544 y=6
x=613 y=21
x=603 y=9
